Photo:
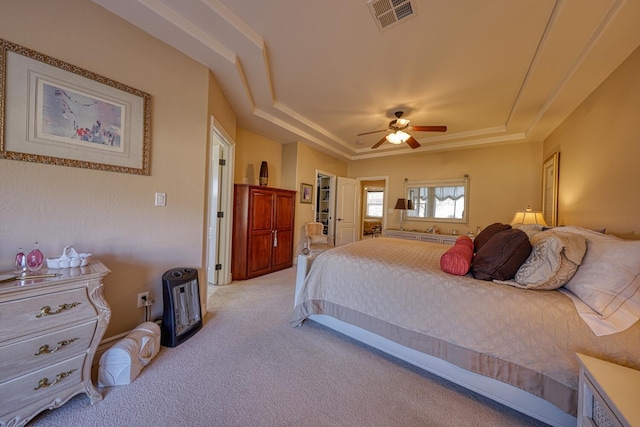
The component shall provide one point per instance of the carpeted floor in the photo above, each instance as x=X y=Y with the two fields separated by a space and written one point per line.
x=249 y=367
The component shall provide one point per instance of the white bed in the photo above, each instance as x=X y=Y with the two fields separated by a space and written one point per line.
x=530 y=370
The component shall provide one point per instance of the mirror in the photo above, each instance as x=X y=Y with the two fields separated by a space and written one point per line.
x=550 y=190
x=445 y=200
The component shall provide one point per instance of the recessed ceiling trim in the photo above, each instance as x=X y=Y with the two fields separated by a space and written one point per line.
x=534 y=60
x=278 y=122
x=311 y=125
x=370 y=154
x=184 y=25
x=237 y=23
x=580 y=58
x=245 y=85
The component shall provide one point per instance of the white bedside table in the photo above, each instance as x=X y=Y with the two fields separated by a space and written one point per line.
x=608 y=394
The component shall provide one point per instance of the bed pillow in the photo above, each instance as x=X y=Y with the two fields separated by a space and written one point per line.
x=457 y=259
x=488 y=232
x=501 y=257
x=530 y=229
x=608 y=280
x=554 y=260
x=466 y=241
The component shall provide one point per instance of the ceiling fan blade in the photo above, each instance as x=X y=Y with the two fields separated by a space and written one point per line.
x=379 y=143
x=429 y=128
x=412 y=142
x=375 y=131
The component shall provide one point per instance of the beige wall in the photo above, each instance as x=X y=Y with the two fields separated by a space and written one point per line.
x=308 y=161
x=289 y=165
x=599 y=145
x=112 y=214
x=503 y=179
x=251 y=150
x=220 y=108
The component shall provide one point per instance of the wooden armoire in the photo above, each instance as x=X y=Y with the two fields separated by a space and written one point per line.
x=263 y=224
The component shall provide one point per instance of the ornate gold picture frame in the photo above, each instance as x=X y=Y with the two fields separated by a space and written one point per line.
x=56 y=113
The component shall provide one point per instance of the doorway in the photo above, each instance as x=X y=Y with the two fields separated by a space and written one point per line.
x=219 y=207
x=373 y=215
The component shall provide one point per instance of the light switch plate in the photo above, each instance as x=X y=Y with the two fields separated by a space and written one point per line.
x=161 y=199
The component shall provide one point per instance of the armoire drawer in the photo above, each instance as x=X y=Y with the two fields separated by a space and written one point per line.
x=22 y=317
x=22 y=391
x=44 y=350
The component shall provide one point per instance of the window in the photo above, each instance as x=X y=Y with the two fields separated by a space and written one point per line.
x=441 y=200
x=374 y=208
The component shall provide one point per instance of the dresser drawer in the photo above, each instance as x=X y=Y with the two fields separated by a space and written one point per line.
x=22 y=317
x=44 y=350
x=30 y=388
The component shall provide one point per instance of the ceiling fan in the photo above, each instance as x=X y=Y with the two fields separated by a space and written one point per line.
x=398 y=134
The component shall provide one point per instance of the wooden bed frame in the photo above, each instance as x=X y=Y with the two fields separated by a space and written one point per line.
x=506 y=394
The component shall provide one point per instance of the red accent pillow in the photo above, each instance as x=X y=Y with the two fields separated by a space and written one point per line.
x=464 y=240
x=457 y=259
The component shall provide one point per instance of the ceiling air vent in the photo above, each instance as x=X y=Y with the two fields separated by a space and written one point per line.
x=389 y=13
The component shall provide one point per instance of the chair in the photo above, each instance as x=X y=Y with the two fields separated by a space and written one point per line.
x=315 y=241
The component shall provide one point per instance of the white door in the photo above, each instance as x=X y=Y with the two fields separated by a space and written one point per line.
x=220 y=199
x=347 y=208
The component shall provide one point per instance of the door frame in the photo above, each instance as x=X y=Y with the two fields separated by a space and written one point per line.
x=385 y=205
x=223 y=232
x=332 y=200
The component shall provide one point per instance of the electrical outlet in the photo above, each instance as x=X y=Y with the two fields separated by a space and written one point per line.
x=142 y=299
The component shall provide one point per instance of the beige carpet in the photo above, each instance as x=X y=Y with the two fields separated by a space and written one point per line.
x=249 y=367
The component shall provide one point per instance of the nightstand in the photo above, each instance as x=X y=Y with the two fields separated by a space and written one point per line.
x=608 y=394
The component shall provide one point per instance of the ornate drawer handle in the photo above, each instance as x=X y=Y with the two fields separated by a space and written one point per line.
x=46 y=310
x=45 y=381
x=44 y=349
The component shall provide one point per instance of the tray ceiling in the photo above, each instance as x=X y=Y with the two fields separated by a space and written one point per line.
x=494 y=72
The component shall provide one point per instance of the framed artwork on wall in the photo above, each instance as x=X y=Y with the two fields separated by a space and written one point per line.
x=56 y=113
x=306 y=191
x=550 y=170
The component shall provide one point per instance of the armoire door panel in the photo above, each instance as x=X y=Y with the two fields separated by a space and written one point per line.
x=262 y=211
x=282 y=253
x=259 y=258
x=284 y=211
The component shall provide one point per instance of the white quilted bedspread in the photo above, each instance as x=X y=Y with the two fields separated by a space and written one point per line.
x=527 y=338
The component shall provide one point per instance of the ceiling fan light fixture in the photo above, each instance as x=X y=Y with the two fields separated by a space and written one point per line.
x=402 y=123
x=398 y=137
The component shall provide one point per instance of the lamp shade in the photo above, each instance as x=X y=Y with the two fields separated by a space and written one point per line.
x=403 y=204
x=528 y=217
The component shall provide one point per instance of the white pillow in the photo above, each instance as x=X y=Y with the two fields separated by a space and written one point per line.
x=530 y=229
x=554 y=260
x=608 y=280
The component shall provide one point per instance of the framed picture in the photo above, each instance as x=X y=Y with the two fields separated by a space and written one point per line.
x=306 y=191
x=56 y=113
x=550 y=189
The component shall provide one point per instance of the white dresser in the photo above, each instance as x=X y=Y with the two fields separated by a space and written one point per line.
x=50 y=329
x=444 y=239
